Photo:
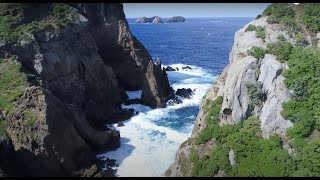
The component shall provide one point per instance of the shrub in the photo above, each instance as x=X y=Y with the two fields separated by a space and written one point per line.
x=281 y=37
x=12 y=83
x=281 y=49
x=255 y=93
x=299 y=89
x=259 y=16
x=251 y=27
x=301 y=40
x=261 y=32
x=257 y=52
x=194 y=156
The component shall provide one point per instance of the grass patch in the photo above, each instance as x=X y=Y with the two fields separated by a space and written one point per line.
x=29 y=117
x=14 y=26
x=12 y=83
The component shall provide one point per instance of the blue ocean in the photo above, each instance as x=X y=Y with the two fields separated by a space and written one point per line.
x=149 y=140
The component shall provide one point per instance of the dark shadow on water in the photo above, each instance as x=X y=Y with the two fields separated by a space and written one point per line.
x=122 y=152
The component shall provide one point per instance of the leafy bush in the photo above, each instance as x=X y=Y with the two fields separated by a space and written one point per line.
x=257 y=52
x=255 y=93
x=261 y=33
x=301 y=40
x=281 y=49
x=251 y=27
x=259 y=16
x=299 y=89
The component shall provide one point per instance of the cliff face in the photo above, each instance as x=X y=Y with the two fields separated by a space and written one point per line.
x=76 y=80
x=236 y=106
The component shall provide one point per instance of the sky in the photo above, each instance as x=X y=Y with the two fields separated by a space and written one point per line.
x=165 y=10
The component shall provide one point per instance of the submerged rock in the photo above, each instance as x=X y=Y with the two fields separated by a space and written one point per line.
x=120 y=124
x=186 y=67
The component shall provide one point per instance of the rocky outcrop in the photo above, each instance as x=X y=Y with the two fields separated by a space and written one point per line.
x=169 y=68
x=153 y=20
x=231 y=84
x=156 y=20
x=177 y=19
x=78 y=76
x=186 y=93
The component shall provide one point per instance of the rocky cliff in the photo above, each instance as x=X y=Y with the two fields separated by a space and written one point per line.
x=235 y=104
x=64 y=72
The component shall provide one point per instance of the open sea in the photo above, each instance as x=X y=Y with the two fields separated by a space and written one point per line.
x=149 y=140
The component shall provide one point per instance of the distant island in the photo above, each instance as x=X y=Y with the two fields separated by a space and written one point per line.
x=158 y=20
x=153 y=20
x=177 y=19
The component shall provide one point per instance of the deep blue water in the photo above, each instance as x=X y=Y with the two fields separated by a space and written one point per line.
x=189 y=42
x=149 y=141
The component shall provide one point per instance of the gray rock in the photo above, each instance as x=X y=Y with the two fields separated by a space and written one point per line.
x=231 y=158
x=177 y=19
x=169 y=68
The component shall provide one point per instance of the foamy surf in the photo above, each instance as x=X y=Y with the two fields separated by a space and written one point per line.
x=150 y=139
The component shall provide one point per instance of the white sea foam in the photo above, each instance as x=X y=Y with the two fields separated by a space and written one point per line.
x=148 y=142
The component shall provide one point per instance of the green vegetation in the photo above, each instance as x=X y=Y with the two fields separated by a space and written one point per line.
x=258 y=16
x=295 y=18
x=12 y=83
x=311 y=16
x=194 y=156
x=257 y=52
x=280 y=13
x=29 y=117
x=251 y=27
x=212 y=108
x=281 y=49
x=14 y=26
x=261 y=33
x=255 y=93
x=281 y=37
x=254 y=155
